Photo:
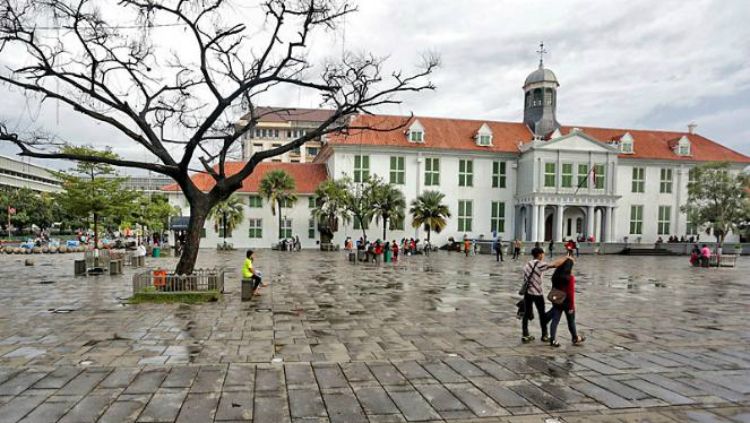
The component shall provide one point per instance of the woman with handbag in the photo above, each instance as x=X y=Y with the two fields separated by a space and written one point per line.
x=562 y=297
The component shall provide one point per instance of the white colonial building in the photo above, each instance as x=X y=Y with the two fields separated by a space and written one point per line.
x=534 y=180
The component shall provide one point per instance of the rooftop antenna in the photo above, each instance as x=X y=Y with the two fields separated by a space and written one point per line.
x=541 y=53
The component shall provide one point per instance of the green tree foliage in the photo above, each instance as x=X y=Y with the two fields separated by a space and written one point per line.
x=429 y=211
x=387 y=202
x=277 y=187
x=330 y=204
x=94 y=190
x=32 y=208
x=153 y=212
x=227 y=214
x=359 y=202
x=717 y=199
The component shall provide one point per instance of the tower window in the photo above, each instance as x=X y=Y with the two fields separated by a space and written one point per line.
x=537 y=97
x=548 y=97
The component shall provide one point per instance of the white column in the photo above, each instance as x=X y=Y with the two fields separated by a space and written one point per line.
x=534 y=222
x=590 y=218
x=607 y=225
x=612 y=225
x=559 y=210
x=541 y=224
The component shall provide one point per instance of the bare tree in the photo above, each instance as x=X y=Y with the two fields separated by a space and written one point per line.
x=177 y=103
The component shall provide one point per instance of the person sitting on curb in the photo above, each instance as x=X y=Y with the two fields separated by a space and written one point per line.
x=249 y=272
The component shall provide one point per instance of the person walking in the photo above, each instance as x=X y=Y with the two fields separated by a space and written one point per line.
x=563 y=288
x=516 y=248
x=705 y=255
x=533 y=293
x=551 y=247
x=467 y=245
x=394 y=250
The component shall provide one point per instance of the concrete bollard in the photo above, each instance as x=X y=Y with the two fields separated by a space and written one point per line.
x=28 y=262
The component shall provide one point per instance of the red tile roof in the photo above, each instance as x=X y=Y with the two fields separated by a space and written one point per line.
x=458 y=134
x=440 y=133
x=307 y=176
x=290 y=114
x=658 y=145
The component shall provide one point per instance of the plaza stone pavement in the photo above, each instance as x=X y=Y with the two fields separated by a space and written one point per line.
x=427 y=339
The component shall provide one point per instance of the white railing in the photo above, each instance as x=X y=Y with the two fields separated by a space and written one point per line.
x=160 y=280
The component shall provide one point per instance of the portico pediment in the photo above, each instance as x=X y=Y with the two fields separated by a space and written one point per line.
x=576 y=141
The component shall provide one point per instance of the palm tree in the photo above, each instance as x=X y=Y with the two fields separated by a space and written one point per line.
x=227 y=214
x=277 y=188
x=388 y=204
x=429 y=211
x=331 y=201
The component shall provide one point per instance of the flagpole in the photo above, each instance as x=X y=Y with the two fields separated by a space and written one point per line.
x=580 y=184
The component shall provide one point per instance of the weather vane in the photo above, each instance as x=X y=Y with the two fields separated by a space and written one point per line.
x=541 y=52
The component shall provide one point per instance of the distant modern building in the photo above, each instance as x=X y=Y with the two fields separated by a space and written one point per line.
x=277 y=126
x=535 y=180
x=146 y=184
x=20 y=174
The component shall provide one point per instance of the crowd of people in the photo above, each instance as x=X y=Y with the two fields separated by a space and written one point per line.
x=384 y=251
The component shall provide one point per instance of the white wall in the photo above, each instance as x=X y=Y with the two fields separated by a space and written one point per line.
x=481 y=193
x=300 y=215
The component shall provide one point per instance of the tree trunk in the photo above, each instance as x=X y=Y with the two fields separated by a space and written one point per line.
x=190 y=248
x=385 y=226
x=96 y=230
x=362 y=226
x=278 y=206
x=428 y=233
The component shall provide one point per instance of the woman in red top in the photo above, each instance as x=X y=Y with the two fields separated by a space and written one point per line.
x=564 y=280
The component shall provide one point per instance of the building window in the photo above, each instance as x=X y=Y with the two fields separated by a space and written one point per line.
x=663 y=222
x=549 y=175
x=361 y=168
x=636 y=220
x=255 y=201
x=396 y=224
x=286 y=203
x=583 y=176
x=684 y=150
x=256 y=228
x=465 y=173
x=397 y=170
x=312 y=151
x=311 y=229
x=599 y=176
x=484 y=140
x=464 y=215
x=692 y=176
x=665 y=182
x=639 y=179
x=286 y=228
x=221 y=232
x=311 y=202
x=416 y=136
x=498 y=174
x=691 y=228
x=626 y=147
x=567 y=175
x=497 y=217
x=431 y=171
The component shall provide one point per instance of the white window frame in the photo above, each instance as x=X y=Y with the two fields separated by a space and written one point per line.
x=466 y=176
x=432 y=171
x=636 y=219
x=638 y=175
x=465 y=215
x=664 y=220
x=497 y=216
x=255 y=228
x=665 y=180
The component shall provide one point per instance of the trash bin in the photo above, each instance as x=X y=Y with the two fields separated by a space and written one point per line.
x=79 y=267
x=156 y=252
x=247 y=290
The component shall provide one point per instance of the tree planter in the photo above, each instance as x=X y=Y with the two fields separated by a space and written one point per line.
x=225 y=247
x=160 y=282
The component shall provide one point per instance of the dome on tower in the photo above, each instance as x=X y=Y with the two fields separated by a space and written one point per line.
x=542 y=74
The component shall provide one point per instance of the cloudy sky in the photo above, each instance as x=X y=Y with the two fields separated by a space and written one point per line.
x=629 y=64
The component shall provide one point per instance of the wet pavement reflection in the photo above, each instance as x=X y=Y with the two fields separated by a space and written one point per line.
x=433 y=337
